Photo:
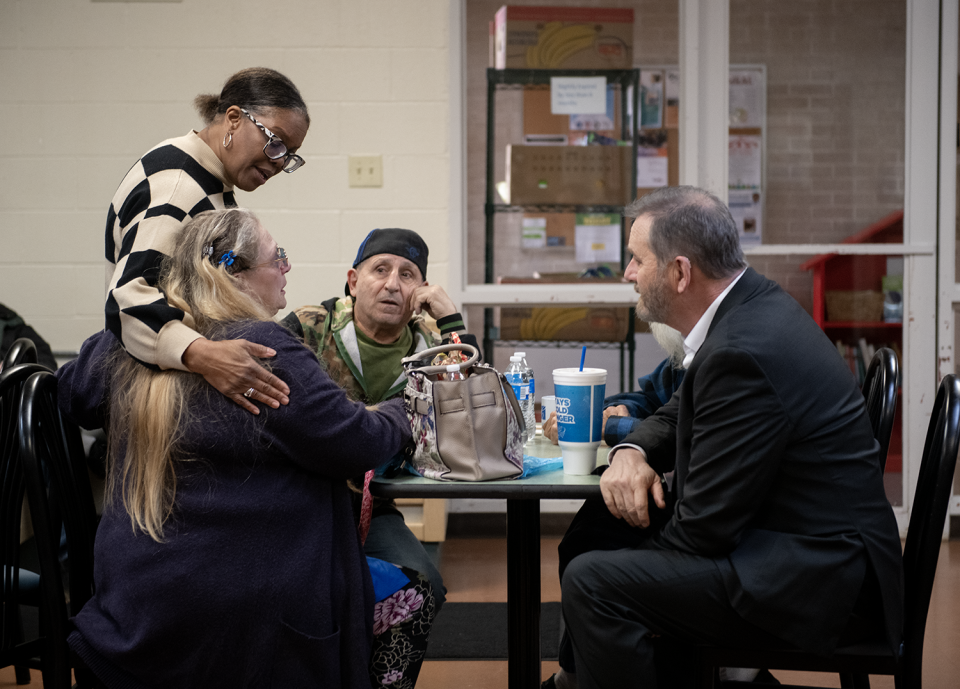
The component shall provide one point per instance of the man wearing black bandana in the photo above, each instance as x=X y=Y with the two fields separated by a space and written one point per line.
x=360 y=339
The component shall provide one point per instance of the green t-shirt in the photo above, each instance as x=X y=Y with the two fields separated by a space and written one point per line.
x=381 y=363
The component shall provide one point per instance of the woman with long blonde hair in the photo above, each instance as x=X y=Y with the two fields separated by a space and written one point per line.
x=228 y=553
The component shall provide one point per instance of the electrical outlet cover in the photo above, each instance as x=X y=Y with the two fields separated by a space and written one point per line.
x=365 y=171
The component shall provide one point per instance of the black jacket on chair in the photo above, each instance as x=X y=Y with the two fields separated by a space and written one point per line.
x=777 y=476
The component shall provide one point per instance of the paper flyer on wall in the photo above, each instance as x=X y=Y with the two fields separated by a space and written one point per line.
x=533 y=233
x=651 y=98
x=745 y=162
x=597 y=237
x=746 y=207
x=671 y=117
x=652 y=159
x=578 y=95
x=746 y=98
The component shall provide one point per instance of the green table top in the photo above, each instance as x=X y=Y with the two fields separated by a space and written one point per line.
x=546 y=485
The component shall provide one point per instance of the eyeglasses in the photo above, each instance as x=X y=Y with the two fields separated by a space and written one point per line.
x=275 y=149
x=281 y=260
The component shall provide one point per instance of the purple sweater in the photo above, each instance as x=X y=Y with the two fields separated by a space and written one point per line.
x=261 y=580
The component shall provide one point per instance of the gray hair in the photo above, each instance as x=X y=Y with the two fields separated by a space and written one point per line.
x=692 y=222
x=200 y=275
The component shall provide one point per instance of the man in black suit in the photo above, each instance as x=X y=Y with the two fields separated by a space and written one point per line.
x=780 y=534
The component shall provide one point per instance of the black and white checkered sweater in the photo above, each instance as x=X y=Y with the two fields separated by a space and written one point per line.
x=170 y=184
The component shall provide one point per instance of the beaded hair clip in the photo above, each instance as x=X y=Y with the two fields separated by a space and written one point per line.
x=228 y=258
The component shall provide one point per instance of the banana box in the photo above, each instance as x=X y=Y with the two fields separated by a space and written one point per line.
x=563 y=38
x=565 y=323
x=586 y=324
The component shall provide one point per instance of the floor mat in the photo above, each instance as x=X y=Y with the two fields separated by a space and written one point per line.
x=478 y=631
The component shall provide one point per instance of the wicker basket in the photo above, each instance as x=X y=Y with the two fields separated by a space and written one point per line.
x=857 y=305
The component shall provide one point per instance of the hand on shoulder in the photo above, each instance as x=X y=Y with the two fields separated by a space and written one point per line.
x=233 y=368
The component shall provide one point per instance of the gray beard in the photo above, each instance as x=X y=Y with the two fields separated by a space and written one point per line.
x=671 y=341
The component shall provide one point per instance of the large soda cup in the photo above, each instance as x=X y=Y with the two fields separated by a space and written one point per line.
x=579 y=400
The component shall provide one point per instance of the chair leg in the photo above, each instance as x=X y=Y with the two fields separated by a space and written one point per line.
x=853 y=680
x=22 y=674
x=708 y=675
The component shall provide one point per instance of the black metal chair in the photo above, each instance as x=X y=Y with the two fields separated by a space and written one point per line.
x=58 y=488
x=880 y=392
x=920 y=556
x=22 y=351
x=20 y=586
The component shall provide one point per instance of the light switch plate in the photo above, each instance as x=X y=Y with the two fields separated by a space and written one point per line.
x=365 y=171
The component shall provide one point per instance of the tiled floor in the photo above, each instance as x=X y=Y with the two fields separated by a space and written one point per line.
x=475 y=570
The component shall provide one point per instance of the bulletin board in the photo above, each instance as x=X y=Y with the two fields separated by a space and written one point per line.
x=658 y=156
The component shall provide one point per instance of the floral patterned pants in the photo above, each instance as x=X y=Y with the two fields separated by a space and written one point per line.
x=401 y=624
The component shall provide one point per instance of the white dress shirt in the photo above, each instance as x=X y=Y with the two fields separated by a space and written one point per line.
x=691 y=345
x=694 y=339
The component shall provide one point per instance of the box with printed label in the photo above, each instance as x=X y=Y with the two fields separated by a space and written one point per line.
x=584 y=175
x=563 y=38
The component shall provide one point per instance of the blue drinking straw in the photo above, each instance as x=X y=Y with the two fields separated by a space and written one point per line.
x=583 y=356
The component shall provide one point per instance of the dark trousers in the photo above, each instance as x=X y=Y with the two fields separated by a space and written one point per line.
x=634 y=614
x=594 y=528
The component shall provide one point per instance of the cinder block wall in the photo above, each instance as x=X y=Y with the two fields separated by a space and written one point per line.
x=835 y=119
x=86 y=87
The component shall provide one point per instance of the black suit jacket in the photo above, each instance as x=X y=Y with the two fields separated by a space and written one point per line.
x=777 y=475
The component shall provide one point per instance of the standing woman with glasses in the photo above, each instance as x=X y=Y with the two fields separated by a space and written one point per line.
x=253 y=130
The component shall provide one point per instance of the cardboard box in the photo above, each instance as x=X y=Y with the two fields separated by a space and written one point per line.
x=585 y=175
x=563 y=38
x=589 y=324
x=573 y=323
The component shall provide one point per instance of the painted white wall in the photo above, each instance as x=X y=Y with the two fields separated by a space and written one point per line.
x=87 y=87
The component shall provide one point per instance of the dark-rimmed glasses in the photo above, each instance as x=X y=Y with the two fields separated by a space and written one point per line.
x=281 y=260
x=275 y=149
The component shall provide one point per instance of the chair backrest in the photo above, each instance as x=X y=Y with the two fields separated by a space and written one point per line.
x=12 y=381
x=58 y=488
x=22 y=351
x=927 y=515
x=880 y=392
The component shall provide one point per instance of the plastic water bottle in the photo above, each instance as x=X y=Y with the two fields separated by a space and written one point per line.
x=529 y=414
x=454 y=372
x=520 y=382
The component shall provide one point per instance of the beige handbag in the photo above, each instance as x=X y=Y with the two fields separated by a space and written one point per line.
x=464 y=430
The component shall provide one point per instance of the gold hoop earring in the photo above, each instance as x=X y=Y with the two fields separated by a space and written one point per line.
x=227 y=139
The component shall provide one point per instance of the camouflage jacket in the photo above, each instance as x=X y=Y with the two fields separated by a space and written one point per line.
x=329 y=330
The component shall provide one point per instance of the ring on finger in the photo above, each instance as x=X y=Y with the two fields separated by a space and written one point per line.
x=248 y=393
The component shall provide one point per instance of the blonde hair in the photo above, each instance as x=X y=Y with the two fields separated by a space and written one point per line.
x=148 y=408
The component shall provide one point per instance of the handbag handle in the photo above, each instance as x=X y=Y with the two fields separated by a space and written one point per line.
x=428 y=354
